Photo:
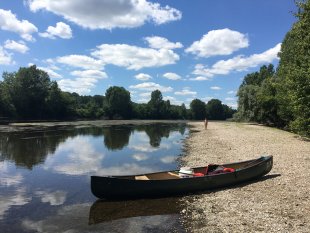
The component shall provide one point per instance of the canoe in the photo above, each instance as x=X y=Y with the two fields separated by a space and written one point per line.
x=170 y=183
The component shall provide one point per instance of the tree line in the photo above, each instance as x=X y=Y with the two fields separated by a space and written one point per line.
x=281 y=97
x=29 y=94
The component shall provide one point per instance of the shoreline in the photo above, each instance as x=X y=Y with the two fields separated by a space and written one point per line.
x=279 y=202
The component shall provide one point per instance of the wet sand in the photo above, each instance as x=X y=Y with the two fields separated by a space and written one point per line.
x=280 y=202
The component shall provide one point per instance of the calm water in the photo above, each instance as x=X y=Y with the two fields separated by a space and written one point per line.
x=45 y=178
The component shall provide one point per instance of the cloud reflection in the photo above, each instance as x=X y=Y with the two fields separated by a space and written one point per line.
x=18 y=199
x=140 y=157
x=54 y=198
x=81 y=158
x=168 y=159
x=74 y=219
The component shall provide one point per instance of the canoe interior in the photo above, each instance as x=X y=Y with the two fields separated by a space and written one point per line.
x=175 y=174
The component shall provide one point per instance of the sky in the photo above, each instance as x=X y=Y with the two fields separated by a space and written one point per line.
x=186 y=49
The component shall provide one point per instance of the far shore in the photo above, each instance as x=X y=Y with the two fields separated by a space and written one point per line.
x=279 y=202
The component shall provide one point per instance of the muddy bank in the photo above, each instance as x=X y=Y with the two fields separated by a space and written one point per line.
x=278 y=203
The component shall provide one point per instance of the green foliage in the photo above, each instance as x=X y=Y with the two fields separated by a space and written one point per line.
x=294 y=74
x=215 y=110
x=198 y=109
x=156 y=105
x=282 y=98
x=118 y=103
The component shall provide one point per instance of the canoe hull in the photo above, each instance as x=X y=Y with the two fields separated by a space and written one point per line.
x=118 y=188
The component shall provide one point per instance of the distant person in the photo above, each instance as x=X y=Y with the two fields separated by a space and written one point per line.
x=206 y=123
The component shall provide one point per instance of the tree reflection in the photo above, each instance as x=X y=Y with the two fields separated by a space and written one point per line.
x=30 y=147
x=116 y=137
x=157 y=131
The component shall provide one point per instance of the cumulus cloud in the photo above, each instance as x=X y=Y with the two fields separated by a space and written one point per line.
x=61 y=30
x=172 y=100
x=172 y=76
x=9 y=22
x=238 y=63
x=85 y=81
x=186 y=91
x=200 y=78
x=5 y=57
x=143 y=77
x=16 y=46
x=157 y=42
x=219 y=42
x=81 y=61
x=133 y=57
x=216 y=88
x=95 y=74
x=150 y=86
x=108 y=14
x=50 y=72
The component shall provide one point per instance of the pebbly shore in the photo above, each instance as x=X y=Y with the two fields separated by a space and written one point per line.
x=279 y=202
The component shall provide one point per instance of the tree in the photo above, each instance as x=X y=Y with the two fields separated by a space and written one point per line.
x=118 y=103
x=198 y=109
x=215 y=110
x=28 y=90
x=293 y=74
x=156 y=105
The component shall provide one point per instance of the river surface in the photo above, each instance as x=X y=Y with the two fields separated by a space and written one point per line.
x=45 y=177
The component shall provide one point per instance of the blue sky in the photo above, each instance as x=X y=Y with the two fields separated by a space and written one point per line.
x=186 y=49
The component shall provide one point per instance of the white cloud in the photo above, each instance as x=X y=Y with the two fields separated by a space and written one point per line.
x=5 y=57
x=95 y=74
x=186 y=91
x=150 y=86
x=108 y=14
x=50 y=72
x=16 y=46
x=216 y=88
x=81 y=86
x=172 y=100
x=219 y=42
x=61 y=30
x=133 y=57
x=143 y=77
x=85 y=81
x=157 y=42
x=238 y=63
x=231 y=92
x=172 y=76
x=9 y=22
x=81 y=61
x=200 y=78
x=230 y=99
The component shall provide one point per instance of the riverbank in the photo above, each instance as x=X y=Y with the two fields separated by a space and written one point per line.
x=278 y=203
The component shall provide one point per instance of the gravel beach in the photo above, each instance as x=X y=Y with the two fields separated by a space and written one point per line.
x=279 y=202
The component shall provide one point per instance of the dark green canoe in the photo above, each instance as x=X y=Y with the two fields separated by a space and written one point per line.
x=169 y=183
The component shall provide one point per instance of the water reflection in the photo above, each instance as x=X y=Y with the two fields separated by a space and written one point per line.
x=45 y=177
x=30 y=148
x=117 y=137
x=102 y=211
x=73 y=219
